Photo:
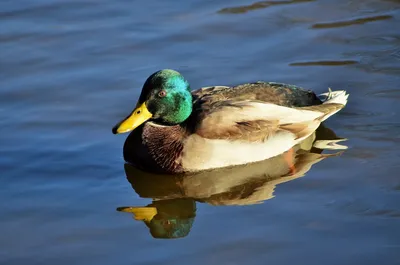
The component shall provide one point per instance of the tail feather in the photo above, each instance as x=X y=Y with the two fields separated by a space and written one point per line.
x=333 y=102
x=335 y=97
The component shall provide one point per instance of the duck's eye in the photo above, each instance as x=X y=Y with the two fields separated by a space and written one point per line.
x=162 y=93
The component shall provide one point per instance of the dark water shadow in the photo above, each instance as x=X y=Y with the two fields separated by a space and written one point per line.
x=324 y=63
x=386 y=93
x=173 y=210
x=51 y=8
x=258 y=5
x=392 y=1
x=350 y=22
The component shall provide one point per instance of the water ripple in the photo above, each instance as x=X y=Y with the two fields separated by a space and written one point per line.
x=350 y=22
x=258 y=5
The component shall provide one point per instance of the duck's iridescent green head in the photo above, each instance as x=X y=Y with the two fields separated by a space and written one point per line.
x=165 y=98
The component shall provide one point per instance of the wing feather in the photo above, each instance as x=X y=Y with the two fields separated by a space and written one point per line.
x=253 y=121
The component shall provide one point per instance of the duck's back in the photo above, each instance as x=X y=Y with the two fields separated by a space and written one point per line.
x=276 y=93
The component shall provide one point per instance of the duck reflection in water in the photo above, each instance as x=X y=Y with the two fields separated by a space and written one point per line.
x=172 y=212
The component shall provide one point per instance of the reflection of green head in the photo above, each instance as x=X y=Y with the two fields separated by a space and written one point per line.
x=169 y=228
x=174 y=218
x=166 y=219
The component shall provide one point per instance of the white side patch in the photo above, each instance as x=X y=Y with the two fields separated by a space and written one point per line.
x=202 y=154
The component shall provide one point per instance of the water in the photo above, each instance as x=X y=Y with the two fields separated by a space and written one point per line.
x=69 y=70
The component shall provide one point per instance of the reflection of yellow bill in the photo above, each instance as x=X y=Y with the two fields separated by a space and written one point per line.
x=136 y=118
x=140 y=213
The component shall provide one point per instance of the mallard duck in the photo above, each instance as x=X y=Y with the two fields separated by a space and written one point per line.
x=176 y=130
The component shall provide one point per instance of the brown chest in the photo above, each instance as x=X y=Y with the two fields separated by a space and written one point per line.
x=156 y=148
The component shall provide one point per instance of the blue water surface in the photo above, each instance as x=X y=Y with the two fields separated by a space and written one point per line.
x=71 y=69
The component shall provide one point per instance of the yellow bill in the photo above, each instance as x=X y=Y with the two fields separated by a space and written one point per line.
x=136 y=118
